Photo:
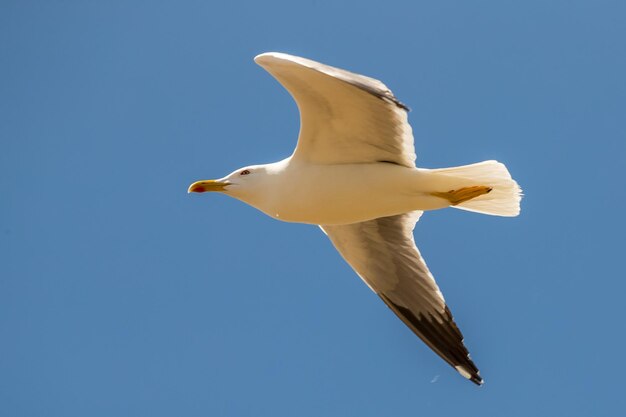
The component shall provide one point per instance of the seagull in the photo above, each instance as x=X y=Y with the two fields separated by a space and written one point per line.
x=353 y=174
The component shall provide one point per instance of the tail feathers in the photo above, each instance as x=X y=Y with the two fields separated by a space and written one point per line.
x=504 y=197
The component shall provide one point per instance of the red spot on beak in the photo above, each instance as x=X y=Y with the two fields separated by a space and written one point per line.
x=197 y=188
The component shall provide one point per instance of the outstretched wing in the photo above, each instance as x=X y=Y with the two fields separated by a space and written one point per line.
x=344 y=117
x=383 y=252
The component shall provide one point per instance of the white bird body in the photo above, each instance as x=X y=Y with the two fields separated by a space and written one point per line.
x=353 y=173
x=301 y=192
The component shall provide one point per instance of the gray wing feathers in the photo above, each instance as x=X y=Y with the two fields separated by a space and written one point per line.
x=384 y=255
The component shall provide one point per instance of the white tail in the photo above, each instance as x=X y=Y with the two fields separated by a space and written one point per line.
x=502 y=200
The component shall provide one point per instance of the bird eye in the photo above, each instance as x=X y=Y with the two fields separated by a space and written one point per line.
x=244 y=172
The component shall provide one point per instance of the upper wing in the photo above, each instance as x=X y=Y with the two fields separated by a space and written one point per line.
x=344 y=117
x=383 y=252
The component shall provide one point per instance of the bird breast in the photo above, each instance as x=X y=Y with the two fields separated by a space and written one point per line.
x=341 y=194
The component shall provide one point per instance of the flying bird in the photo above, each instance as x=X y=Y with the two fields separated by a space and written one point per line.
x=353 y=173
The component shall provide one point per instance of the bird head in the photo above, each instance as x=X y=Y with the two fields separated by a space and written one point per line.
x=243 y=183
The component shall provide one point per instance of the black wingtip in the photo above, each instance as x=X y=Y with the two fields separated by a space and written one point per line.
x=470 y=373
x=476 y=379
x=446 y=340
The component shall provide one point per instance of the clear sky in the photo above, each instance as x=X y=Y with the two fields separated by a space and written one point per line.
x=122 y=295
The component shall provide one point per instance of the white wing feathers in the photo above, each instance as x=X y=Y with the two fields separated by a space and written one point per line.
x=383 y=253
x=344 y=117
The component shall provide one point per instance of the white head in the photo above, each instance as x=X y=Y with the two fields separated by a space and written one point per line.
x=247 y=184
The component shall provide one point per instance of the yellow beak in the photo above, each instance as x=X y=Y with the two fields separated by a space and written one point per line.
x=207 y=185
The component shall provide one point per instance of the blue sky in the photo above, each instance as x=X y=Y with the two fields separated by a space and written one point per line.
x=120 y=294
